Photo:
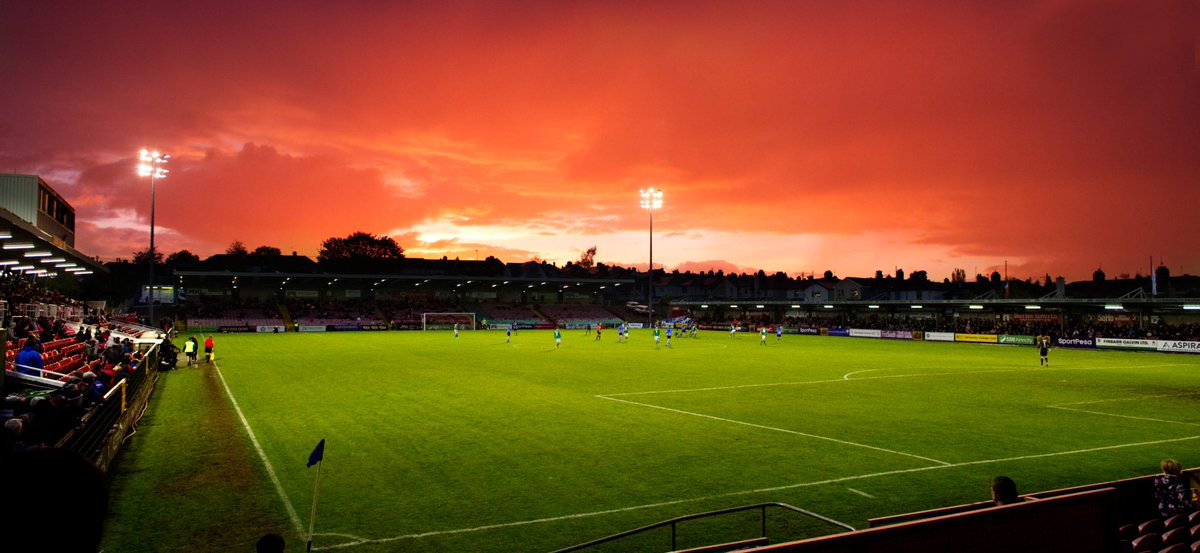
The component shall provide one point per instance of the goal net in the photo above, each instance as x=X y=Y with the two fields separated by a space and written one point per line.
x=446 y=321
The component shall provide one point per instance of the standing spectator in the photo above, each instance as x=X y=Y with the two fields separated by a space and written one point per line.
x=1171 y=490
x=30 y=358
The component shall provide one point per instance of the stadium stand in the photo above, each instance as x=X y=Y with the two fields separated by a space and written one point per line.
x=578 y=315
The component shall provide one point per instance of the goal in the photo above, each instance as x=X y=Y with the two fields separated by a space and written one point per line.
x=446 y=321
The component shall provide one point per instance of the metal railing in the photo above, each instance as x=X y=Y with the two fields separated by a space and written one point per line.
x=674 y=523
x=102 y=430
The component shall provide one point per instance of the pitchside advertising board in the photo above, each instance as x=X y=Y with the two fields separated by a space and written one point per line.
x=1016 y=340
x=939 y=336
x=977 y=338
x=865 y=333
x=1085 y=343
x=1127 y=343
x=1178 y=346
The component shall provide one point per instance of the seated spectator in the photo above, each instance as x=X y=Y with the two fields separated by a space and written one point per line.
x=30 y=358
x=1171 y=490
x=1004 y=491
x=11 y=442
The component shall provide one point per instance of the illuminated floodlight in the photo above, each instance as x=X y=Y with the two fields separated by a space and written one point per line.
x=651 y=198
x=38 y=253
x=872 y=307
x=1033 y=307
x=84 y=272
x=758 y=307
x=54 y=260
x=5 y=235
x=1114 y=307
x=828 y=307
x=795 y=307
x=9 y=263
x=703 y=307
x=19 y=246
x=1192 y=307
x=151 y=164
x=22 y=267
x=38 y=272
x=975 y=307
x=75 y=270
x=733 y=307
x=917 y=306
x=66 y=265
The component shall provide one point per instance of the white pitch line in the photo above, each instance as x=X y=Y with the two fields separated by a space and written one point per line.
x=287 y=503
x=749 y=492
x=774 y=429
x=1138 y=398
x=843 y=379
x=1122 y=416
x=862 y=493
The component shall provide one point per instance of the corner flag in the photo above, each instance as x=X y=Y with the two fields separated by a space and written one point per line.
x=315 y=458
x=318 y=454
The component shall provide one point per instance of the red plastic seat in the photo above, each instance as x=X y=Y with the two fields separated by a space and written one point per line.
x=1177 y=548
x=1152 y=526
x=1148 y=542
x=1178 y=535
x=1195 y=533
x=1177 y=521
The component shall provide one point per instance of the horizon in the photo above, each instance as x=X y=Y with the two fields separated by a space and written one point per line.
x=1057 y=136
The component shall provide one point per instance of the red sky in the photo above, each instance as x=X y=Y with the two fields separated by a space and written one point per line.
x=795 y=136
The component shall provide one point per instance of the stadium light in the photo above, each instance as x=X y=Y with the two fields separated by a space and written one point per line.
x=795 y=307
x=38 y=253
x=1191 y=307
x=918 y=306
x=1114 y=307
x=758 y=307
x=703 y=307
x=828 y=307
x=152 y=166
x=5 y=235
x=1033 y=307
x=872 y=307
x=19 y=246
x=651 y=200
x=54 y=260
x=975 y=307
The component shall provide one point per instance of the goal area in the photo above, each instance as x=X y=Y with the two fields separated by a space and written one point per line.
x=446 y=321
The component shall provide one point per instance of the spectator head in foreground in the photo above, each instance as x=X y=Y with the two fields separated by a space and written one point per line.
x=1004 y=491
x=42 y=481
x=270 y=543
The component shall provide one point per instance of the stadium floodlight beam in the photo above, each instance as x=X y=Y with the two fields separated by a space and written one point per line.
x=651 y=200
x=151 y=166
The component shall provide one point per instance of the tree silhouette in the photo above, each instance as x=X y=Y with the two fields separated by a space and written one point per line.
x=236 y=248
x=588 y=259
x=359 y=246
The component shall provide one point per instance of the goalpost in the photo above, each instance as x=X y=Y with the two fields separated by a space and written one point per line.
x=446 y=321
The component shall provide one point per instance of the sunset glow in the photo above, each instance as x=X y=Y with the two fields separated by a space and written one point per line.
x=1057 y=135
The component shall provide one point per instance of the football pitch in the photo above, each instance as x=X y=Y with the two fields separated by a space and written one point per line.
x=473 y=444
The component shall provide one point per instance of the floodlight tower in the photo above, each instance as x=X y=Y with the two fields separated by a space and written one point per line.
x=151 y=166
x=651 y=200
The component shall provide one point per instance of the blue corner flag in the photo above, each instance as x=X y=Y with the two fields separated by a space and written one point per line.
x=318 y=454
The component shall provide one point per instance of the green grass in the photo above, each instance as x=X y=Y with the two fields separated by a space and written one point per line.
x=436 y=444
